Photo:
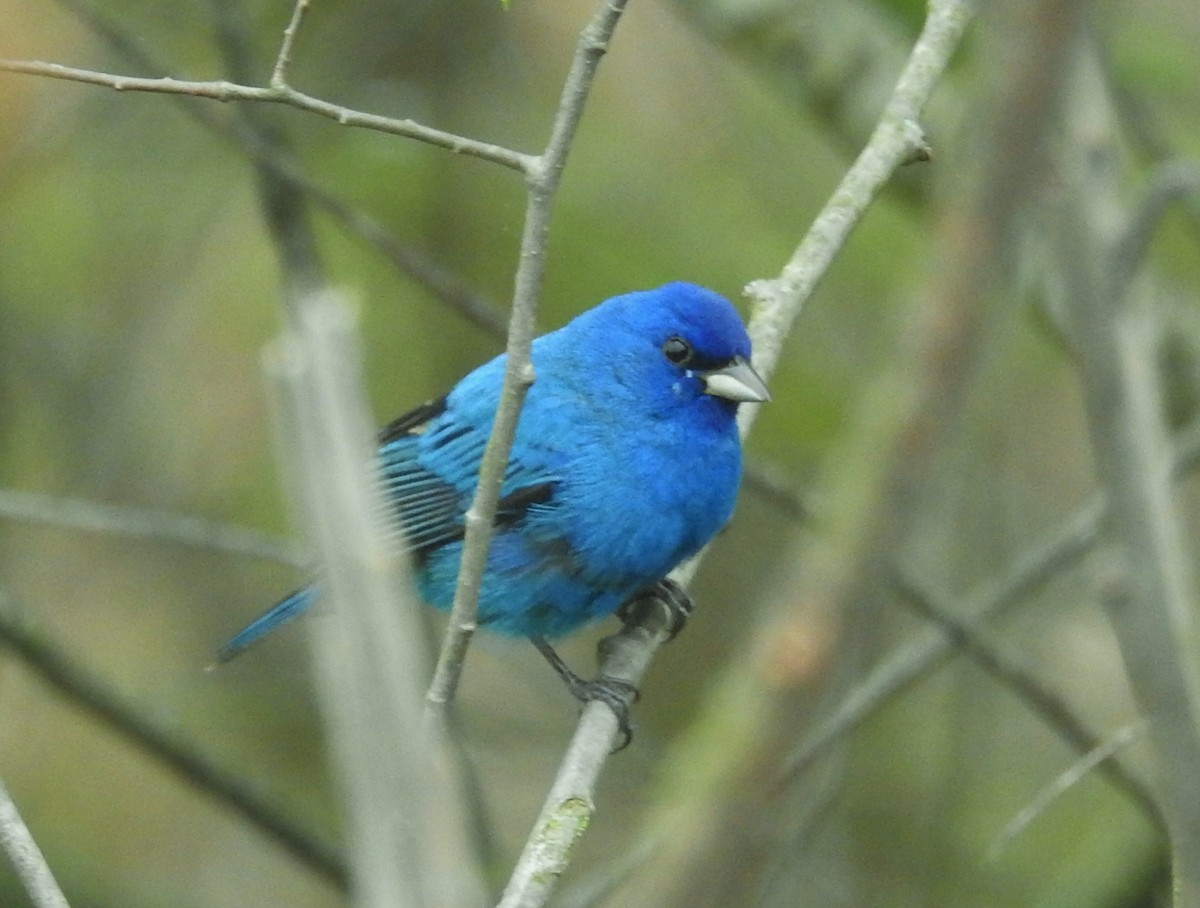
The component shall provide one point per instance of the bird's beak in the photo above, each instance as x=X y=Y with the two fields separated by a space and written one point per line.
x=738 y=381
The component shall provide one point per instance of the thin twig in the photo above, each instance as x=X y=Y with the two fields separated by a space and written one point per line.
x=221 y=90
x=284 y=59
x=60 y=671
x=1103 y=754
x=445 y=286
x=990 y=655
x=144 y=523
x=1170 y=182
x=1058 y=551
x=897 y=140
x=26 y=858
x=543 y=175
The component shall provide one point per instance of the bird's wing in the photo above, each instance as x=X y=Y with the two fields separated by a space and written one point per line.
x=429 y=462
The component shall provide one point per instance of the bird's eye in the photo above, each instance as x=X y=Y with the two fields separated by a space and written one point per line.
x=677 y=350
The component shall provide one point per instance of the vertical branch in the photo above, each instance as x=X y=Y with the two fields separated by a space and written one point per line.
x=1149 y=592
x=279 y=75
x=406 y=822
x=407 y=813
x=542 y=177
x=26 y=858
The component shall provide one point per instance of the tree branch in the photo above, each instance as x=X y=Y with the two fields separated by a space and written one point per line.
x=406 y=817
x=897 y=140
x=1103 y=754
x=145 y=523
x=1149 y=592
x=26 y=858
x=284 y=58
x=543 y=175
x=225 y=91
x=1059 y=551
x=445 y=286
x=990 y=655
x=60 y=671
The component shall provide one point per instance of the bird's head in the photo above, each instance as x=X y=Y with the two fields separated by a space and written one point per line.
x=678 y=343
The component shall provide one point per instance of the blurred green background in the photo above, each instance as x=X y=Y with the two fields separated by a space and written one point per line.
x=138 y=287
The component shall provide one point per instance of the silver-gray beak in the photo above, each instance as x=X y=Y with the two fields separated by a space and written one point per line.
x=738 y=381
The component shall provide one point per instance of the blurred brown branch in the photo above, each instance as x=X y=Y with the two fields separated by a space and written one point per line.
x=132 y=722
x=993 y=657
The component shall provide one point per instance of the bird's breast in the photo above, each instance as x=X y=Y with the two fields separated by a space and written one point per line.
x=640 y=506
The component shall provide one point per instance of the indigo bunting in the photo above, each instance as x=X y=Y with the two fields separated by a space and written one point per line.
x=626 y=461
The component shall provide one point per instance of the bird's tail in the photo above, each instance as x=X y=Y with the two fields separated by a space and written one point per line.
x=281 y=612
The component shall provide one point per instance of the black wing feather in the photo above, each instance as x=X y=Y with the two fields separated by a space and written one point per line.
x=430 y=506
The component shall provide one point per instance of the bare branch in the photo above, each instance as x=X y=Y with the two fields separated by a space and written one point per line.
x=224 y=91
x=60 y=671
x=1171 y=182
x=897 y=140
x=444 y=285
x=1104 y=753
x=284 y=60
x=1150 y=591
x=26 y=858
x=990 y=655
x=1057 y=552
x=543 y=177
x=405 y=816
x=144 y=523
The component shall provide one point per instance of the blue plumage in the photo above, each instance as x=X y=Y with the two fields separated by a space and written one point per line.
x=626 y=461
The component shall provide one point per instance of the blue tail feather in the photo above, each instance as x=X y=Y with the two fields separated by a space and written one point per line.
x=281 y=612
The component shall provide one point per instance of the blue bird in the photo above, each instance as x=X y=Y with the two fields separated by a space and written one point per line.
x=626 y=461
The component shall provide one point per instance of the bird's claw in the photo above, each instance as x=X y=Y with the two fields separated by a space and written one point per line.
x=666 y=594
x=617 y=695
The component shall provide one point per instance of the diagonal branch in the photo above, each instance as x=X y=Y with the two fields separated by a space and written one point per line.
x=897 y=140
x=990 y=655
x=444 y=285
x=26 y=858
x=543 y=175
x=63 y=673
x=1059 y=551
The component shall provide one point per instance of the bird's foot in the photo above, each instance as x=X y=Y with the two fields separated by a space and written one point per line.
x=614 y=693
x=667 y=595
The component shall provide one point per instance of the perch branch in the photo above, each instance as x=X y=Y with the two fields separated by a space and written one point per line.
x=543 y=175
